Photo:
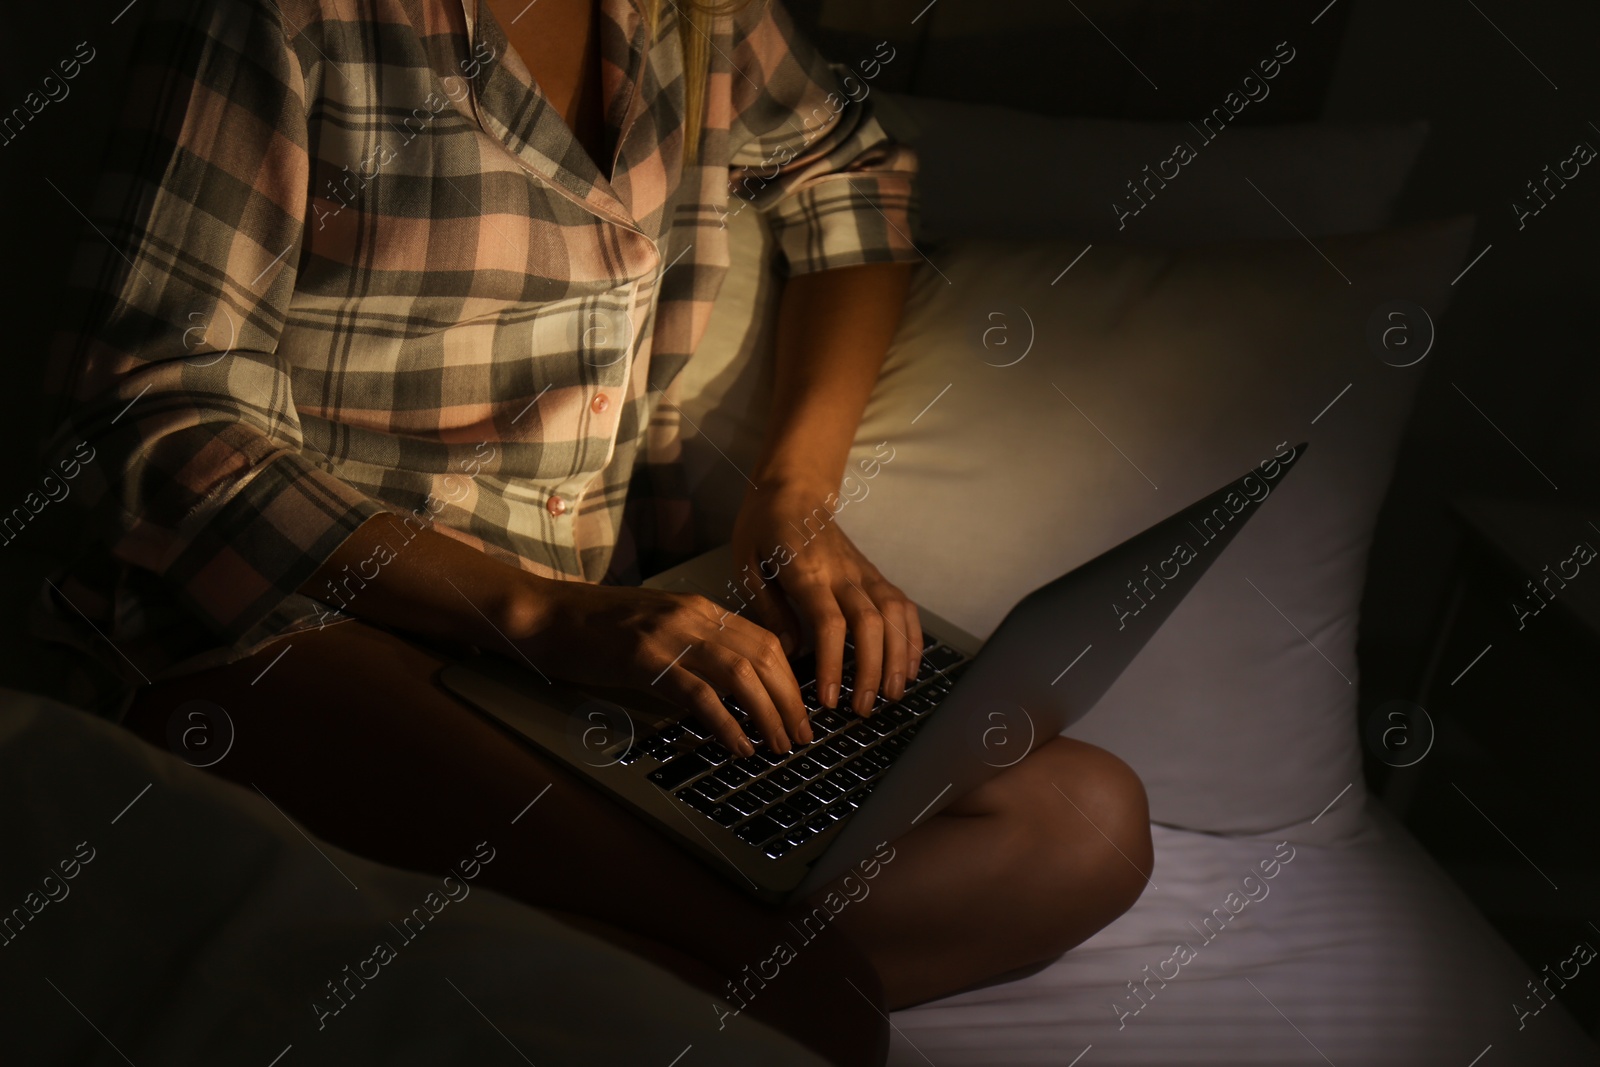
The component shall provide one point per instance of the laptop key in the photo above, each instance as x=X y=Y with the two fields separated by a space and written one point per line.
x=785 y=778
x=734 y=775
x=880 y=725
x=838 y=777
x=715 y=752
x=827 y=755
x=842 y=809
x=846 y=744
x=744 y=803
x=828 y=721
x=821 y=820
x=801 y=834
x=851 y=773
x=805 y=803
x=759 y=830
x=824 y=790
x=696 y=800
x=752 y=765
x=861 y=731
x=713 y=789
x=765 y=791
x=710 y=788
x=876 y=759
x=782 y=814
x=725 y=814
x=671 y=775
x=778 y=849
x=808 y=768
x=941 y=656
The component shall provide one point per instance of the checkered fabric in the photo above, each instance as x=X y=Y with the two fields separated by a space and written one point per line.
x=349 y=260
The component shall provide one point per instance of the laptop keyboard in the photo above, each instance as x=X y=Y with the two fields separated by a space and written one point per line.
x=779 y=802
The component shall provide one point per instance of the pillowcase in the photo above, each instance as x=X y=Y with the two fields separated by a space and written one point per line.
x=997 y=172
x=1037 y=424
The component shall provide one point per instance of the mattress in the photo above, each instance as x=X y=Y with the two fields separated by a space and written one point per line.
x=1361 y=954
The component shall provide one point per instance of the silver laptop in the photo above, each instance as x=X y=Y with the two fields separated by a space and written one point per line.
x=783 y=826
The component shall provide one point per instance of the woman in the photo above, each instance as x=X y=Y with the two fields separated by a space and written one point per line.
x=386 y=348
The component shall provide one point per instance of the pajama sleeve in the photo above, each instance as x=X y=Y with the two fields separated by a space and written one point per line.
x=808 y=151
x=170 y=374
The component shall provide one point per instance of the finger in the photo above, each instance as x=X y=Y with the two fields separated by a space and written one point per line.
x=691 y=691
x=913 y=642
x=891 y=605
x=820 y=610
x=760 y=647
x=736 y=676
x=866 y=625
x=770 y=608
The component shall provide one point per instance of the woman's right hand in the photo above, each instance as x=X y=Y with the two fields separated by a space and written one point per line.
x=680 y=646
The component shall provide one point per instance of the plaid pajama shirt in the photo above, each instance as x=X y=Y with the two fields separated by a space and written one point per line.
x=351 y=261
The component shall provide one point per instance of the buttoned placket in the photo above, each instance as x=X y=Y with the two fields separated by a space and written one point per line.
x=561 y=504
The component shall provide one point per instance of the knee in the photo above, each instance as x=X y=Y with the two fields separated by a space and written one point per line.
x=1094 y=827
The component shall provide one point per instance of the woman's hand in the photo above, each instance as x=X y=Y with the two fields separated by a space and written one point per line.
x=683 y=647
x=788 y=535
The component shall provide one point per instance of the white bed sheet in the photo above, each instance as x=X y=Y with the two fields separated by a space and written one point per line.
x=1364 y=954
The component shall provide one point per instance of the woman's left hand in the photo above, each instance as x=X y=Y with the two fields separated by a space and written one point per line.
x=789 y=537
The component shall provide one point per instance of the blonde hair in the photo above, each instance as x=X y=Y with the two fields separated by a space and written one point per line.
x=694 y=18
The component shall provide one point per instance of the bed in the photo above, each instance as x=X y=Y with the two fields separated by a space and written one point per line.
x=1110 y=365
x=1111 y=368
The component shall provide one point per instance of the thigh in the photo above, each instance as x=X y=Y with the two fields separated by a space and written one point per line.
x=347 y=730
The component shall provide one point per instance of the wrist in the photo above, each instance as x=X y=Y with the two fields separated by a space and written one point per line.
x=526 y=605
x=804 y=482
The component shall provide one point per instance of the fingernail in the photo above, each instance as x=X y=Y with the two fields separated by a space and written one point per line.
x=896 y=687
x=804 y=733
x=831 y=696
x=746 y=748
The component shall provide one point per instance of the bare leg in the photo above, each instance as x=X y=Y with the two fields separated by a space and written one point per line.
x=1016 y=872
x=349 y=733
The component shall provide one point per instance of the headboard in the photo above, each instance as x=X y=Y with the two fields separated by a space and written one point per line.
x=1125 y=59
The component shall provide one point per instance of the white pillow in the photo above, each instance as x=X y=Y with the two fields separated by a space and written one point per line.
x=991 y=171
x=1183 y=369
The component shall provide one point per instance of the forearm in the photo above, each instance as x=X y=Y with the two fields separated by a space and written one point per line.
x=834 y=327
x=427 y=583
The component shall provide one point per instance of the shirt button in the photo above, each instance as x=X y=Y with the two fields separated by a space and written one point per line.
x=599 y=404
x=555 y=505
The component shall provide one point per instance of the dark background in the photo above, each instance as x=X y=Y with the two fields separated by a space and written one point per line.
x=1519 y=731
